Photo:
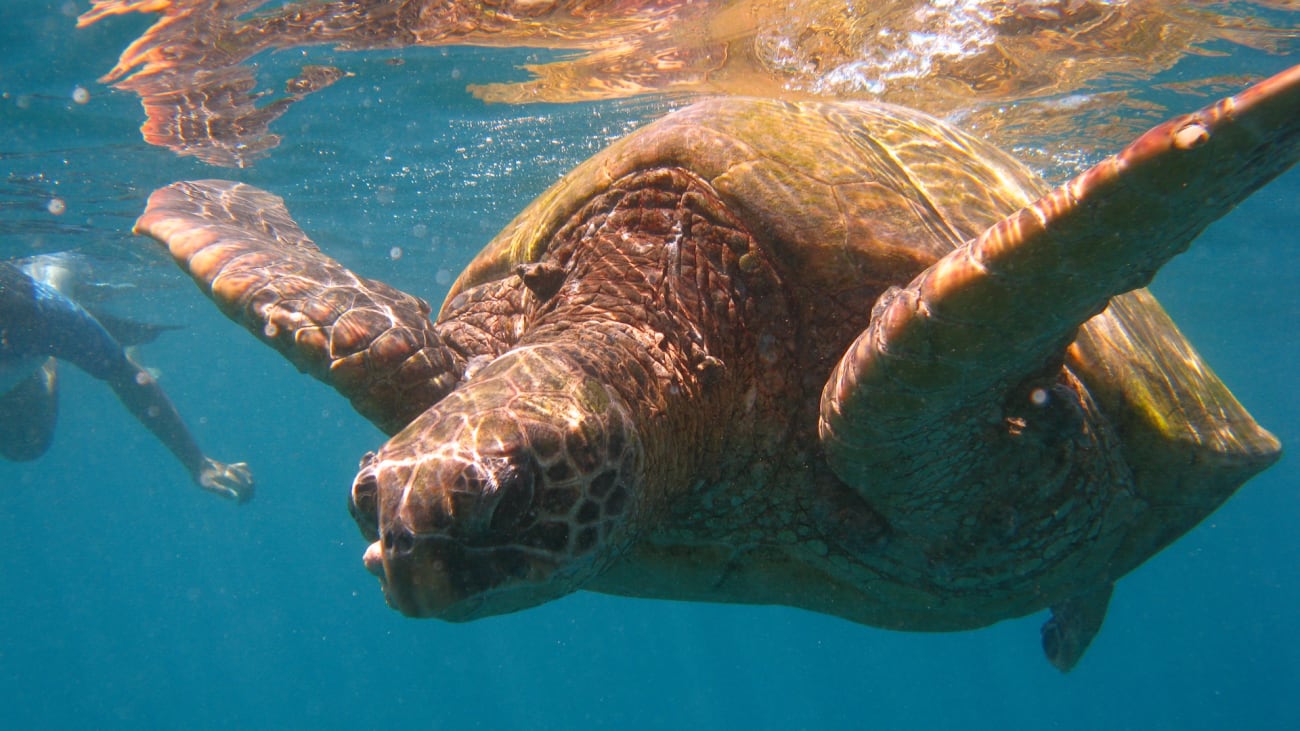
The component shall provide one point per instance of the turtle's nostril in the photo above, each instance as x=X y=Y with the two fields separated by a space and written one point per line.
x=398 y=542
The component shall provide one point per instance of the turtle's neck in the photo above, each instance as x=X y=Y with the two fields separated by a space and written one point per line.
x=669 y=301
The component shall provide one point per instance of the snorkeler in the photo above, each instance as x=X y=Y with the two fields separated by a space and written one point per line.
x=40 y=325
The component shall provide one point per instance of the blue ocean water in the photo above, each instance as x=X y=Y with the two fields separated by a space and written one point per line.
x=129 y=599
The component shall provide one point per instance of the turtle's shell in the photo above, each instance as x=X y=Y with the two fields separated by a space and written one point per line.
x=859 y=171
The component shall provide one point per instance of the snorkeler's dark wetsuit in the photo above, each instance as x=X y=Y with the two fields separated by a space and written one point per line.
x=38 y=324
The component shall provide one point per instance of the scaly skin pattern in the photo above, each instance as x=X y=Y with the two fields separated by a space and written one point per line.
x=372 y=342
x=552 y=458
x=820 y=355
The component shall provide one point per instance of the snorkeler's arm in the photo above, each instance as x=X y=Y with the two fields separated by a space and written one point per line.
x=140 y=393
x=145 y=399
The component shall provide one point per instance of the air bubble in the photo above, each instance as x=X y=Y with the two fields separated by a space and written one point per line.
x=395 y=253
x=1038 y=397
x=56 y=206
x=80 y=95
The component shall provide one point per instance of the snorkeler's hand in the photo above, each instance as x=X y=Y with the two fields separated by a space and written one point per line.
x=233 y=481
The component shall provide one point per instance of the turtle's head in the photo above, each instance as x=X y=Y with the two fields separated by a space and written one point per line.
x=512 y=491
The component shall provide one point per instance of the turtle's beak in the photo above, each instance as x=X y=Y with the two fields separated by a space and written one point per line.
x=416 y=580
x=438 y=577
x=374 y=559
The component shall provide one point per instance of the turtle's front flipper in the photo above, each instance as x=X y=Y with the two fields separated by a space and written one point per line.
x=931 y=371
x=372 y=343
x=1074 y=623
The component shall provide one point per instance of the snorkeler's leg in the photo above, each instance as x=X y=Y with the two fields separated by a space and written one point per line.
x=29 y=413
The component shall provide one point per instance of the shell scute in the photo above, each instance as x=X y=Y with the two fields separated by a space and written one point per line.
x=832 y=209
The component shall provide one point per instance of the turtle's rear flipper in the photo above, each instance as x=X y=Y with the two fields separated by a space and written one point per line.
x=29 y=413
x=1074 y=623
x=372 y=343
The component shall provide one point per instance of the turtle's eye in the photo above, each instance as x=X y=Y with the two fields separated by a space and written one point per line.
x=514 y=497
x=363 y=502
x=491 y=498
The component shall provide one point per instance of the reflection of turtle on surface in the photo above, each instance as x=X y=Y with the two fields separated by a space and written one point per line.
x=40 y=325
x=1062 y=62
x=833 y=356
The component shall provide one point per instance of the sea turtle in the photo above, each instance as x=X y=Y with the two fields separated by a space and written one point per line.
x=837 y=356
